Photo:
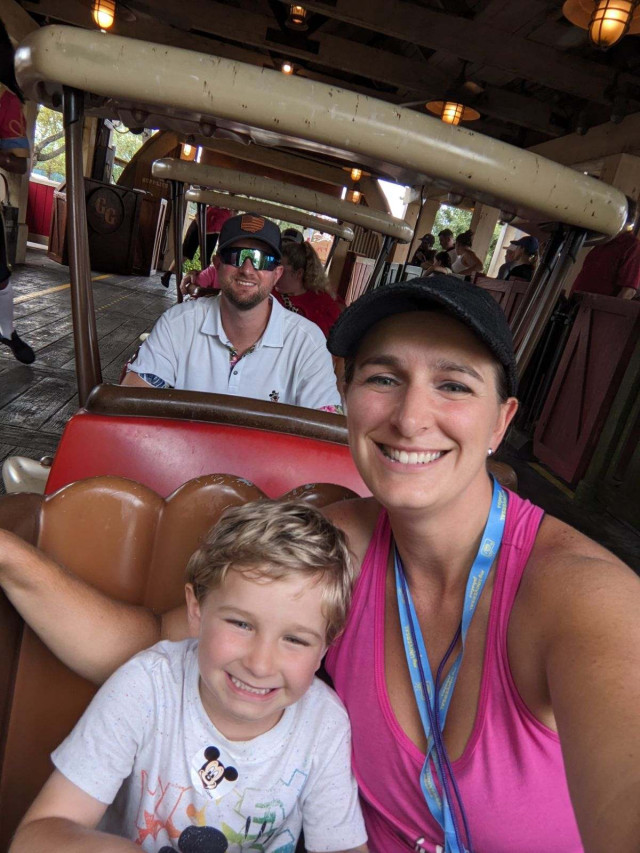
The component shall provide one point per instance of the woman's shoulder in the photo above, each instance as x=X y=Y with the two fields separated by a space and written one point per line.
x=564 y=565
x=357 y=518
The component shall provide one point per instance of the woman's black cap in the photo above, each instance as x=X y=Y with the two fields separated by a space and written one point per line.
x=468 y=303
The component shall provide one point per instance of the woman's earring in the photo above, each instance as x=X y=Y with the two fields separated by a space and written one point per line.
x=490 y=451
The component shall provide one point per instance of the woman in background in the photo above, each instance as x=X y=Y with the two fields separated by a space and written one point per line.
x=303 y=287
x=466 y=261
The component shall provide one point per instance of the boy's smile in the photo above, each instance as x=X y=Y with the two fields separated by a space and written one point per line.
x=260 y=644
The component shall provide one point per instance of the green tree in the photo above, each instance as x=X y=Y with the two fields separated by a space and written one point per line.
x=48 y=148
x=126 y=145
x=451 y=217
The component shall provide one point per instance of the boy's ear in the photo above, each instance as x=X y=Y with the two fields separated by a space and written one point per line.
x=193 y=610
x=325 y=649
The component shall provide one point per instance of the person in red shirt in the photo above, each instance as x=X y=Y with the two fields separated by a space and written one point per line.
x=303 y=286
x=611 y=268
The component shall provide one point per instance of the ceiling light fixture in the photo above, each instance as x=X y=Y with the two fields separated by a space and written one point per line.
x=606 y=20
x=286 y=68
x=356 y=174
x=452 y=112
x=356 y=195
x=103 y=13
x=297 y=19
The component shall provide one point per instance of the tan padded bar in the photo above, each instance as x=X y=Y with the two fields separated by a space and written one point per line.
x=162 y=86
x=128 y=542
x=244 y=183
x=275 y=211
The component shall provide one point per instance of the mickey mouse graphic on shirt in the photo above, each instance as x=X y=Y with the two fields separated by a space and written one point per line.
x=213 y=772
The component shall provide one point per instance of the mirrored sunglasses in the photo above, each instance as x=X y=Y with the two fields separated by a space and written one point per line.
x=237 y=255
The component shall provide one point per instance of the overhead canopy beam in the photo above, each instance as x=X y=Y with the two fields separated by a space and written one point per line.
x=284 y=161
x=601 y=141
x=342 y=54
x=242 y=183
x=276 y=211
x=371 y=63
x=478 y=42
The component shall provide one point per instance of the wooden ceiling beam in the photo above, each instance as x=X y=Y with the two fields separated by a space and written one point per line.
x=349 y=57
x=17 y=22
x=279 y=160
x=478 y=42
x=599 y=142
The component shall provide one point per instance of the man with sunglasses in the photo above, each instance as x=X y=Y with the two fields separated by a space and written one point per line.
x=243 y=342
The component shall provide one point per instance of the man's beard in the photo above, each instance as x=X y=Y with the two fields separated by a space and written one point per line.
x=245 y=304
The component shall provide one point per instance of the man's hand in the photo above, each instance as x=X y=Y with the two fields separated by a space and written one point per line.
x=188 y=283
x=627 y=293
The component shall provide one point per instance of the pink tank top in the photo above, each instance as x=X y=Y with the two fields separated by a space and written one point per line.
x=511 y=775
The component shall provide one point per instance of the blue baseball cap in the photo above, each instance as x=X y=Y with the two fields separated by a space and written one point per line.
x=528 y=243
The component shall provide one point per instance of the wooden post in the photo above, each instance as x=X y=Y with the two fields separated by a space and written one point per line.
x=85 y=334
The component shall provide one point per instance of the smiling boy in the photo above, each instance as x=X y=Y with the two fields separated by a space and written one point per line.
x=228 y=742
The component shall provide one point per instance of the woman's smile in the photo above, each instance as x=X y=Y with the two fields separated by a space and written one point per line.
x=422 y=402
x=410 y=457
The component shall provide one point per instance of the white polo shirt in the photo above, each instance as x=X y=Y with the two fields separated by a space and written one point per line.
x=189 y=349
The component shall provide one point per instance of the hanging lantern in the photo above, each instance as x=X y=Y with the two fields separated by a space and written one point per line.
x=297 y=19
x=356 y=174
x=286 y=68
x=103 y=13
x=606 y=20
x=188 y=151
x=356 y=195
x=452 y=112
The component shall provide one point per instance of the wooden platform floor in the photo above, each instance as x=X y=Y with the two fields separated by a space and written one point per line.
x=36 y=401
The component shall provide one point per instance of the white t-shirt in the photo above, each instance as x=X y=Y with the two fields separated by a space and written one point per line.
x=186 y=785
x=189 y=349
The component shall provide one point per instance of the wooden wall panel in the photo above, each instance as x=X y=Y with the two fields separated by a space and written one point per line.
x=595 y=357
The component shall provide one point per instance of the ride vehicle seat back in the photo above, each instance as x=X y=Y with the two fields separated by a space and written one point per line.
x=129 y=542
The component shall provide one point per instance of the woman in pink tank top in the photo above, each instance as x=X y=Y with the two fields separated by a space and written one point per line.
x=537 y=748
x=534 y=739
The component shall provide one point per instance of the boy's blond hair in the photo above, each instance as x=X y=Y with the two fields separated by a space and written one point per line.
x=273 y=540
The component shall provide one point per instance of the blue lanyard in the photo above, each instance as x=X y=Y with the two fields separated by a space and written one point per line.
x=433 y=699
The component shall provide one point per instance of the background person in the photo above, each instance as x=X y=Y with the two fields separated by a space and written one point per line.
x=14 y=158
x=446 y=240
x=428 y=259
x=441 y=264
x=303 y=286
x=427 y=242
x=466 y=262
x=197 y=283
x=520 y=259
x=543 y=714
x=292 y=235
x=612 y=268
